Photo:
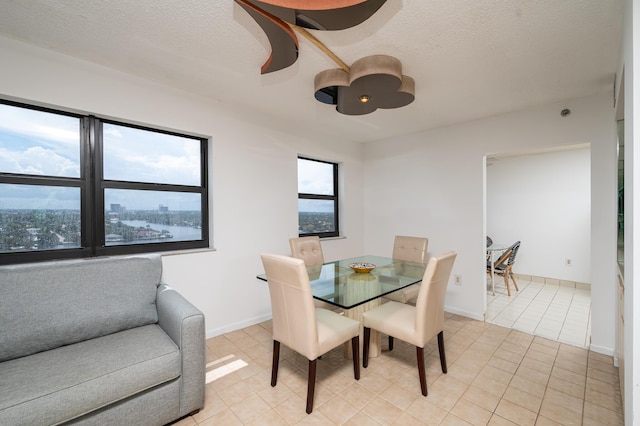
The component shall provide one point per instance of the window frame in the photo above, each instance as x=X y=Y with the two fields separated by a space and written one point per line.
x=335 y=198
x=92 y=202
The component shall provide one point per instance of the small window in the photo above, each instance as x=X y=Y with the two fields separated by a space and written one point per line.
x=79 y=186
x=317 y=198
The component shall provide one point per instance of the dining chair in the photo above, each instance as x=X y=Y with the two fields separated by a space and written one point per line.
x=418 y=324
x=412 y=249
x=504 y=266
x=309 y=249
x=489 y=242
x=299 y=325
x=499 y=261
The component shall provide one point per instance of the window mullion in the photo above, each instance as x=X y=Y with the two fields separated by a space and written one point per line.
x=94 y=212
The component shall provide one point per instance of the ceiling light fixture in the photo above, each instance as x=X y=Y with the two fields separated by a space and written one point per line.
x=372 y=82
x=278 y=17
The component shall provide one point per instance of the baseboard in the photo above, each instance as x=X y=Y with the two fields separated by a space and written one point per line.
x=472 y=315
x=554 y=281
x=601 y=350
x=237 y=326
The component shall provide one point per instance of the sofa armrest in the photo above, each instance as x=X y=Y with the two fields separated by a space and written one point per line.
x=184 y=323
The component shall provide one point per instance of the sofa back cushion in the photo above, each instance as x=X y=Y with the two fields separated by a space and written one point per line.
x=51 y=304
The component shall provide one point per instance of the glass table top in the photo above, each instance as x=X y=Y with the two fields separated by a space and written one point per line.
x=337 y=284
x=498 y=247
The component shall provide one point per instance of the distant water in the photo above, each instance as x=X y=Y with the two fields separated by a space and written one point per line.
x=179 y=233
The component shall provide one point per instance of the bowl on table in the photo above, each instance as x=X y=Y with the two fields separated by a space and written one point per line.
x=362 y=267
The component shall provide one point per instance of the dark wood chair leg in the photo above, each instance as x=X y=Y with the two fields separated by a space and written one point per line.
x=365 y=348
x=311 y=385
x=390 y=343
x=421 y=372
x=443 y=359
x=274 y=364
x=355 y=349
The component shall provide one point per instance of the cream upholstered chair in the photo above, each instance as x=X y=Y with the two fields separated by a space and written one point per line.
x=298 y=324
x=310 y=250
x=413 y=249
x=418 y=324
x=307 y=249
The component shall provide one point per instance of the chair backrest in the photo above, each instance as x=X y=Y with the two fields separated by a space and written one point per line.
x=294 y=315
x=307 y=249
x=413 y=249
x=430 y=302
x=514 y=251
x=503 y=257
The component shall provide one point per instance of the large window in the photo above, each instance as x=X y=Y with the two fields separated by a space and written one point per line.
x=317 y=198
x=78 y=186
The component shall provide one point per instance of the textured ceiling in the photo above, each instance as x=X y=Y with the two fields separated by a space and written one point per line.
x=470 y=58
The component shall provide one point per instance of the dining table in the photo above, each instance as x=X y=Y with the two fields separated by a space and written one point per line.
x=491 y=251
x=357 y=292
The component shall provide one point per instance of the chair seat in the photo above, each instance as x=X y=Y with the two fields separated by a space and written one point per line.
x=405 y=295
x=500 y=268
x=333 y=330
x=394 y=319
x=497 y=268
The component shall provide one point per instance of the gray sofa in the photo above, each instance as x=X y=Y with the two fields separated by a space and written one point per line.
x=97 y=341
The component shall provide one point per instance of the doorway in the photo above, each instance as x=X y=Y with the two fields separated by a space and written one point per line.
x=543 y=200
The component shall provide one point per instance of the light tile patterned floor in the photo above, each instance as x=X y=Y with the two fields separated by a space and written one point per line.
x=497 y=376
x=549 y=310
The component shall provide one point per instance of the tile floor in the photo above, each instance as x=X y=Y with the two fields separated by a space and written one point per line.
x=497 y=376
x=553 y=311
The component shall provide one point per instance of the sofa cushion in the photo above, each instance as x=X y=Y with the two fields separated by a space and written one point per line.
x=50 y=304
x=67 y=382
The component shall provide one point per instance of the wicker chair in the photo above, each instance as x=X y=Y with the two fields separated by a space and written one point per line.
x=504 y=266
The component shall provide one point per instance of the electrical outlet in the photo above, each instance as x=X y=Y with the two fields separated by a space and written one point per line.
x=457 y=279
x=568 y=262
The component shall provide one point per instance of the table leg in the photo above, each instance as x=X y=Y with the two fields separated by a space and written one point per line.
x=375 y=340
x=493 y=283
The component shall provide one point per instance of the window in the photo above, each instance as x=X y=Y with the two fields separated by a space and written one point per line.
x=317 y=198
x=78 y=186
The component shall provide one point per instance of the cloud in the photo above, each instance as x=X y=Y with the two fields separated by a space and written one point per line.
x=146 y=156
x=315 y=177
x=37 y=161
x=53 y=131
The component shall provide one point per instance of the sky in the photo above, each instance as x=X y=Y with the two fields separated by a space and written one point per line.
x=46 y=144
x=315 y=178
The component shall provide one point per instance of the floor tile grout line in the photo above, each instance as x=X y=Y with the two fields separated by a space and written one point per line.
x=563 y=334
x=484 y=331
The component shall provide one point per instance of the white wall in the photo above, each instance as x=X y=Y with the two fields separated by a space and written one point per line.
x=543 y=200
x=425 y=184
x=253 y=175
x=432 y=184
